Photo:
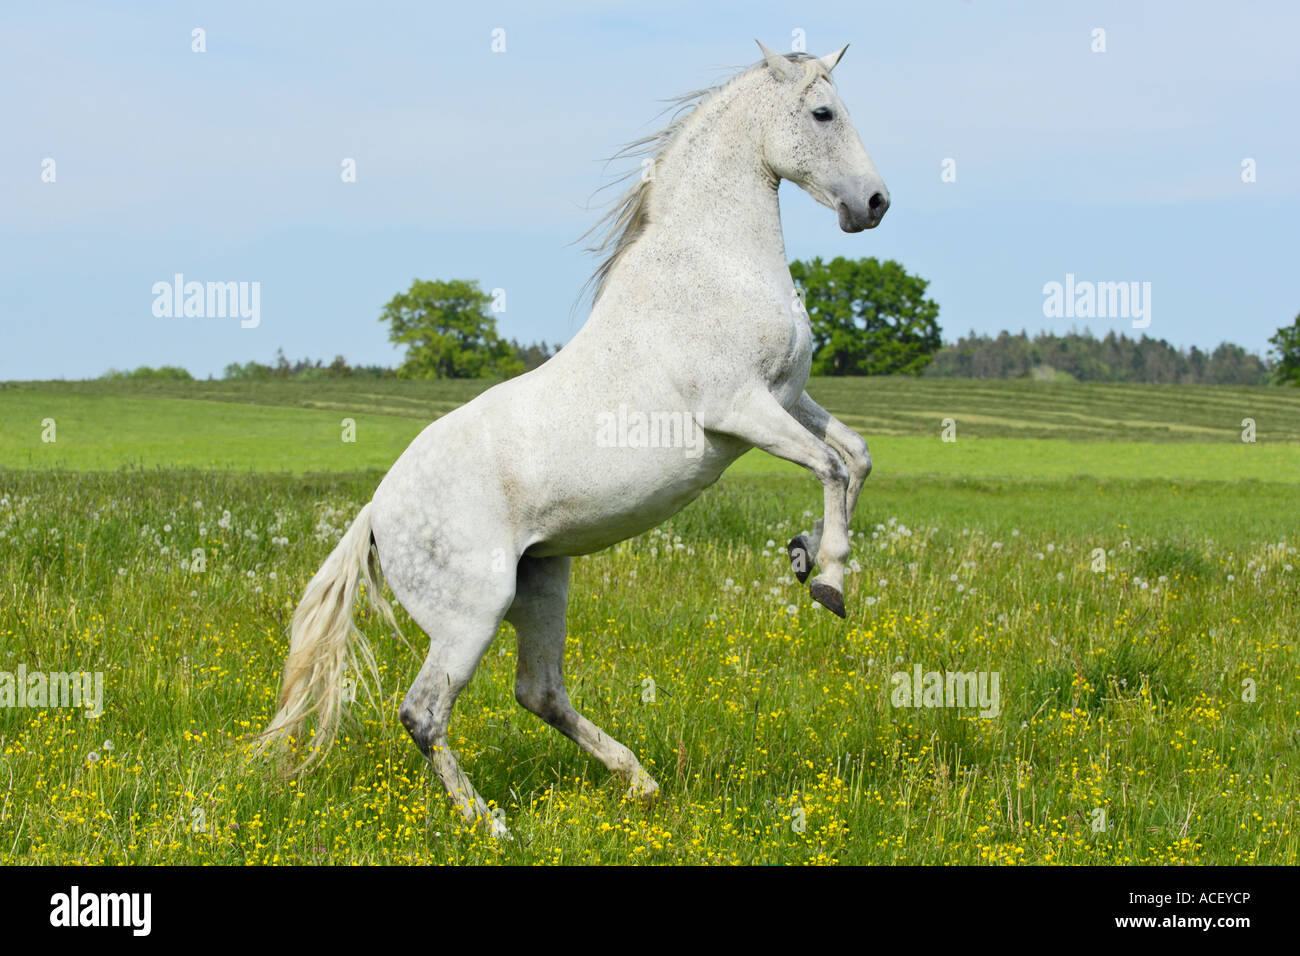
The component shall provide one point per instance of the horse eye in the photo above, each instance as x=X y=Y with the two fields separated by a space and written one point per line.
x=823 y=114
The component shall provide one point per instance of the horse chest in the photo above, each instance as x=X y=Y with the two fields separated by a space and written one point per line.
x=786 y=347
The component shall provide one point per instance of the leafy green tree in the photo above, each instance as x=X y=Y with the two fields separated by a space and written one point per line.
x=1286 y=346
x=868 y=317
x=163 y=373
x=448 y=332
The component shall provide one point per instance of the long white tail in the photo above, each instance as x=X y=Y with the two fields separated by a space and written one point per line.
x=324 y=645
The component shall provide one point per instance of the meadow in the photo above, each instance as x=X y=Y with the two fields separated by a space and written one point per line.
x=1148 y=710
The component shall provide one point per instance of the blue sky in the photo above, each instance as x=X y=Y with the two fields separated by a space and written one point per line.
x=225 y=165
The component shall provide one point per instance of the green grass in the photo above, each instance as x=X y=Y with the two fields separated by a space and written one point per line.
x=1074 y=411
x=297 y=427
x=1059 y=458
x=902 y=405
x=1122 y=690
x=103 y=432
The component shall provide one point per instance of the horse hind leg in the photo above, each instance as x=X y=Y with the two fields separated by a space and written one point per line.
x=538 y=615
x=460 y=631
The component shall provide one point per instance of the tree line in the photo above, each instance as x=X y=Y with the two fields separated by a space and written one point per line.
x=867 y=317
x=1079 y=356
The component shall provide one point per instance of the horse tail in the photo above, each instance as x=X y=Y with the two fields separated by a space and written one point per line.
x=324 y=644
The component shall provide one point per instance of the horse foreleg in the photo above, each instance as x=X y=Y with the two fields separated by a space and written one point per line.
x=853 y=451
x=541 y=597
x=759 y=419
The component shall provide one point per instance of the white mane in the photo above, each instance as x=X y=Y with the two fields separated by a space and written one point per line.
x=626 y=219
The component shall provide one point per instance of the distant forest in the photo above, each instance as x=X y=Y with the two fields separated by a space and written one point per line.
x=1071 y=357
x=1084 y=358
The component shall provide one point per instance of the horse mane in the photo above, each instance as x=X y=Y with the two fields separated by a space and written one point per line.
x=627 y=216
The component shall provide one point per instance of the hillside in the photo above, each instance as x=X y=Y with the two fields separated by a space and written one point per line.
x=1003 y=428
x=895 y=405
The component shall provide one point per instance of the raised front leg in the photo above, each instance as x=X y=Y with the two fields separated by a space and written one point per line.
x=759 y=419
x=853 y=451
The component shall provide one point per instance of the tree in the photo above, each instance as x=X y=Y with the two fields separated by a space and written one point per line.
x=1286 y=346
x=1084 y=358
x=868 y=317
x=533 y=354
x=448 y=332
x=163 y=373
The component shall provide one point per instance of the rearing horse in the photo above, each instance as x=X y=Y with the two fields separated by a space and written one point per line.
x=695 y=321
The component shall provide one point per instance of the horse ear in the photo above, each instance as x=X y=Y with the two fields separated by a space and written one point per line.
x=783 y=68
x=830 y=60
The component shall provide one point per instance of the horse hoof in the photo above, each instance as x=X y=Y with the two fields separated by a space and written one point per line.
x=800 y=559
x=828 y=597
x=643 y=788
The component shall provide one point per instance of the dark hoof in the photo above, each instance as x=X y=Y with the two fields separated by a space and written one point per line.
x=800 y=560
x=828 y=597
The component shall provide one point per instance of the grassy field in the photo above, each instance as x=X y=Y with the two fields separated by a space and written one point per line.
x=1025 y=429
x=1148 y=710
x=900 y=405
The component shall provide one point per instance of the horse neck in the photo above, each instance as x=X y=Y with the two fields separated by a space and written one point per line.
x=712 y=186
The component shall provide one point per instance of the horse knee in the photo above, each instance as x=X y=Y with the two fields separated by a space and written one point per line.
x=418 y=720
x=831 y=469
x=410 y=717
x=860 y=456
x=548 y=703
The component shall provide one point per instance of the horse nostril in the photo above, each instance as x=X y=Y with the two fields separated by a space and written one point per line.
x=878 y=203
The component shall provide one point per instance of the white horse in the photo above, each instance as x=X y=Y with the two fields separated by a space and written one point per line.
x=697 y=346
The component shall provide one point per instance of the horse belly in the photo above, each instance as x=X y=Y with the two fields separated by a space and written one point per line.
x=624 y=495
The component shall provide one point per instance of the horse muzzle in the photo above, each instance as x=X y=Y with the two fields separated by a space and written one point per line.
x=855 y=217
